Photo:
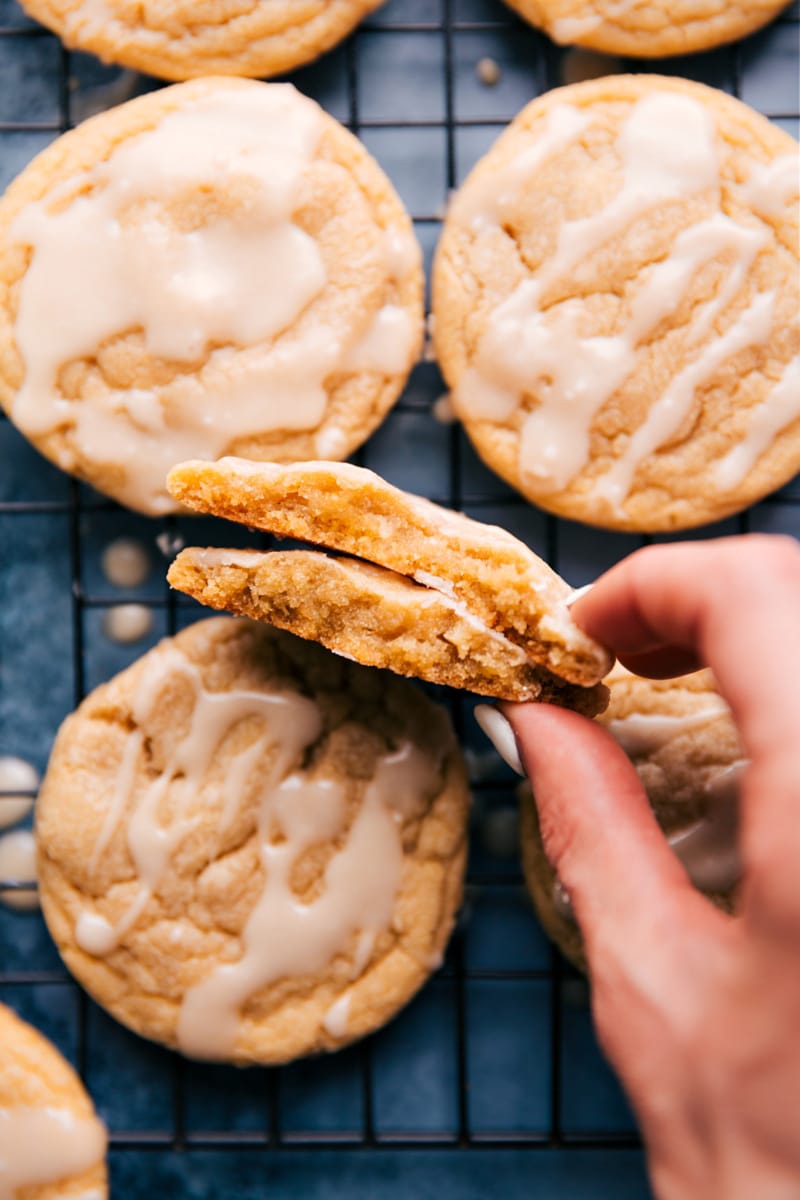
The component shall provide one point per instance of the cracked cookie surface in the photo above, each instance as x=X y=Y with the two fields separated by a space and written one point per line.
x=181 y=39
x=250 y=849
x=615 y=304
x=647 y=28
x=681 y=738
x=217 y=267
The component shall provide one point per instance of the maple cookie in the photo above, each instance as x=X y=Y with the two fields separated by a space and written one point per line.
x=643 y=29
x=216 y=267
x=440 y=596
x=615 y=296
x=52 y=1146
x=250 y=849
x=186 y=38
x=683 y=743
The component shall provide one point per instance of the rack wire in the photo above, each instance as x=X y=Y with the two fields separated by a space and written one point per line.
x=499 y=1045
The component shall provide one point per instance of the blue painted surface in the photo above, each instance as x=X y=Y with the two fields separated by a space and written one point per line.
x=510 y=1008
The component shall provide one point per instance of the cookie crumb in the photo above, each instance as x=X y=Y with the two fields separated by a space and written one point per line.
x=18 y=865
x=18 y=780
x=170 y=543
x=125 y=563
x=127 y=623
x=442 y=409
x=488 y=72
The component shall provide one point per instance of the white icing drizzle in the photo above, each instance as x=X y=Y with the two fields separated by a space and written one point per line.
x=674 y=404
x=290 y=721
x=45 y=1145
x=780 y=408
x=668 y=151
x=108 y=260
x=641 y=734
x=335 y=1022
x=18 y=865
x=388 y=344
x=485 y=201
x=771 y=186
x=708 y=849
x=285 y=936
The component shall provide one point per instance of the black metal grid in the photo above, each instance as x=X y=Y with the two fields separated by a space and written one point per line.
x=80 y=500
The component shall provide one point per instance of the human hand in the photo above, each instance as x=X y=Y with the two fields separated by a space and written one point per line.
x=698 y=1012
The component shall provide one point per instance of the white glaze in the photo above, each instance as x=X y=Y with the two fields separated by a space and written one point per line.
x=221 y=298
x=43 y=1145
x=283 y=935
x=780 y=408
x=771 y=186
x=640 y=734
x=668 y=150
x=336 y=1018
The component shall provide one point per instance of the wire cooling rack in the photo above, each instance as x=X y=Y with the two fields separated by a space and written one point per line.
x=496 y=1058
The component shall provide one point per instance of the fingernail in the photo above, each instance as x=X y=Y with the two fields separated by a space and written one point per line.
x=499 y=732
x=578 y=592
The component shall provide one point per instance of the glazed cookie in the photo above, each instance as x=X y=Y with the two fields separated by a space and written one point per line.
x=644 y=29
x=181 y=39
x=615 y=296
x=52 y=1146
x=472 y=580
x=216 y=267
x=250 y=849
x=680 y=737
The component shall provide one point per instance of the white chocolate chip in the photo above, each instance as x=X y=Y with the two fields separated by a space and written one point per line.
x=125 y=563
x=127 y=622
x=17 y=778
x=488 y=72
x=18 y=865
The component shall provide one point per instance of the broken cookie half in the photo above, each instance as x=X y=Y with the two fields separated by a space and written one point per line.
x=428 y=592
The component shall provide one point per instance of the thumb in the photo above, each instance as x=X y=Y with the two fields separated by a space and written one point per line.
x=599 y=832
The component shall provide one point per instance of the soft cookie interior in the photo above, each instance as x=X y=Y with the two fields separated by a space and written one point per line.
x=497 y=578
x=376 y=617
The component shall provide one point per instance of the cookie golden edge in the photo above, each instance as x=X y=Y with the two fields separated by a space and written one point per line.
x=33 y=1072
x=744 y=124
x=670 y=39
x=374 y=616
x=384 y=989
x=223 y=52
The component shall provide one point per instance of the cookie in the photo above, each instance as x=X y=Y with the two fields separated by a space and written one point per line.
x=52 y=1146
x=643 y=29
x=495 y=577
x=250 y=849
x=681 y=738
x=375 y=617
x=188 y=38
x=615 y=295
x=216 y=267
